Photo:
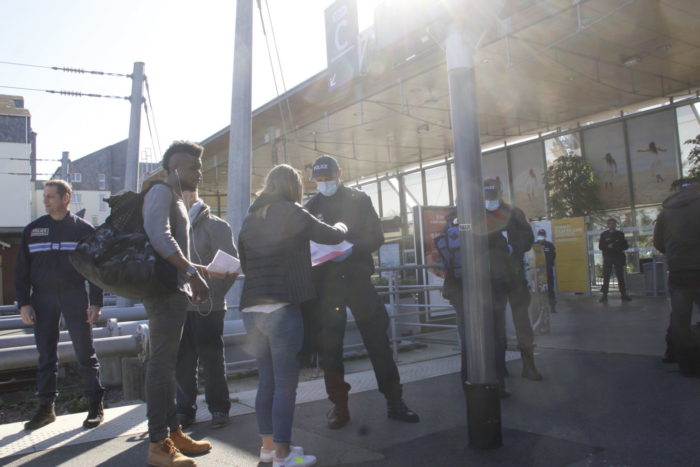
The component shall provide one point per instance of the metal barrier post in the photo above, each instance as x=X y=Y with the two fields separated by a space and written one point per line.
x=393 y=301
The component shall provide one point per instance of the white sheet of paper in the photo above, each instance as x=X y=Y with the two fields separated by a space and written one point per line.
x=322 y=253
x=223 y=263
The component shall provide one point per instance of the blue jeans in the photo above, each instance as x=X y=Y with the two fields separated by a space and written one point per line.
x=275 y=340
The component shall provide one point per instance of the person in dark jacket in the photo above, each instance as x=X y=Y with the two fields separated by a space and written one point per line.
x=613 y=245
x=47 y=286
x=550 y=254
x=509 y=238
x=345 y=282
x=276 y=260
x=676 y=234
x=202 y=337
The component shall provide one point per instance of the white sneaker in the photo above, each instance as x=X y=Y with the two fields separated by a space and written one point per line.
x=294 y=460
x=269 y=456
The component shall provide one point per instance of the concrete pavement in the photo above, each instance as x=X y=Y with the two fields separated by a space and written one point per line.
x=606 y=400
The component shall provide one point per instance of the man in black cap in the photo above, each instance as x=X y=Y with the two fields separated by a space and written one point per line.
x=510 y=237
x=613 y=245
x=550 y=253
x=345 y=282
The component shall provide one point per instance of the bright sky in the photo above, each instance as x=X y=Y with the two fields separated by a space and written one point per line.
x=187 y=48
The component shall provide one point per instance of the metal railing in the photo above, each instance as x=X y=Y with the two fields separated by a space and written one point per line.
x=124 y=330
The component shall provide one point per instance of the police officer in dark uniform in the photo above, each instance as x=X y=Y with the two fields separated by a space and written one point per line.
x=550 y=254
x=613 y=245
x=47 y=287
x=345 y=281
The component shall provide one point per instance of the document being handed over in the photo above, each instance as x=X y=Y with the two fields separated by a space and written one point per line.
x=322 y=253
x=223 y=263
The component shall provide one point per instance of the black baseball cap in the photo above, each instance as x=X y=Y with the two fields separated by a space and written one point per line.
x=492 y=188
x=325 y=166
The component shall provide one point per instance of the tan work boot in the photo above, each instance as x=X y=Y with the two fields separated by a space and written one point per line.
x=165 y=454
x=187 y=445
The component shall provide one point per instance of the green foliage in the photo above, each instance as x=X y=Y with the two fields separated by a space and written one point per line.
x=571 y=186
x=693 y=165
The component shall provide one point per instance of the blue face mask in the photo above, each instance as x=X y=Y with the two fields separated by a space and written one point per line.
x=491 y=204
x=327 y=188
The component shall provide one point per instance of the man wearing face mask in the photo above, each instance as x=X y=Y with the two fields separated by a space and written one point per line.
x=506 y=222
x=613 y=245
x=345 y=282
x=550 y=253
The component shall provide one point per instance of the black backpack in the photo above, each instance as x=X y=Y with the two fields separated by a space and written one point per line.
x=448 y=245
x=119 y=258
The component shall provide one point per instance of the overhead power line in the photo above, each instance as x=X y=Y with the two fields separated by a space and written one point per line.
x=68 y=69
x=152 y=114
x=68 y=93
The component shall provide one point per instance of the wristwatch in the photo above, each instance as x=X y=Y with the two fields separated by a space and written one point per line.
x=191 y=272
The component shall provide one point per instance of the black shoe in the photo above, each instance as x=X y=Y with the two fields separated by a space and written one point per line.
x=96 y=413
x=43 y=416
x=398 y=410
x=338 y=416
x=185 y=420
x=219 y=419
x=604 y=298
x=625 y=298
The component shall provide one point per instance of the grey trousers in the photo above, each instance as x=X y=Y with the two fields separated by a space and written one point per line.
x=166 y=318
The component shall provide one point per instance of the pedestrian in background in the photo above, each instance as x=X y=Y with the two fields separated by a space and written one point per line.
x=550 y=254
x=613 y=245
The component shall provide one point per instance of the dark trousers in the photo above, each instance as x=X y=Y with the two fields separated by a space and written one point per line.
x=617 y=262
x=202 y=343
x=519 y=298
x=49 y=307
x=166 y=318
x=357 y=292
x=551 y=291
x=685 y=347
x=498 y=304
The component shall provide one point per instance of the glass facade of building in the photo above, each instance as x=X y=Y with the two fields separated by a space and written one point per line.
x=636 y=157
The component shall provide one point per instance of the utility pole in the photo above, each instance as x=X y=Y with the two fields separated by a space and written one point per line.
x=481 y=389
x=131 y=176
x=240 y=131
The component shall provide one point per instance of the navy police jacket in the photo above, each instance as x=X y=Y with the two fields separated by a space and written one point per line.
x=42 y=260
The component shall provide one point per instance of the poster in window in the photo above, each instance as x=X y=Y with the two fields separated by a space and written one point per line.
x=495 y=165
x=653 y=155
x=527 y=165
x=605 y=151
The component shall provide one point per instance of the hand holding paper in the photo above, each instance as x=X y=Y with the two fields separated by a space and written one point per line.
x=223 y=265
x=322 y=253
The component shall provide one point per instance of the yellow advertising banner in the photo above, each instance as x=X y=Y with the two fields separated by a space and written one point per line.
x=571 y=262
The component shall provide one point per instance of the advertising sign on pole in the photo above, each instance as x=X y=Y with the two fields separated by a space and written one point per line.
x=571 y=262
x=342 y=35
